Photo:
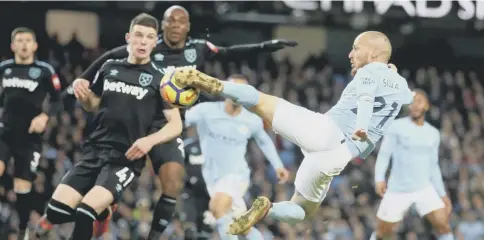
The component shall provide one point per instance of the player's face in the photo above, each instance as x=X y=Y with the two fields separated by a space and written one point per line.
x=359 y=56
x=176 y=26
x=24 y=45
x=419 y=106
x=141 y=41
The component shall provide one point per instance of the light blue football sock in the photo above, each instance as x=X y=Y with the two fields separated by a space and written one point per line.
x=287 y=211
x=222 y=226
x=254 y=234
x=243 y=94
x=447 y=236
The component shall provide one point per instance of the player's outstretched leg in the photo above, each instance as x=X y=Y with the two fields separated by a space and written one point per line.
x=60 y=209
x=93 y=204
x=286 y=211
x=263 y=105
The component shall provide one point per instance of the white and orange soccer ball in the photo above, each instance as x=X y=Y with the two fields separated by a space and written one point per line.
x=175 y=93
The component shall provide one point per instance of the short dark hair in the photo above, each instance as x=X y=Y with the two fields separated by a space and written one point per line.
x=22 y=30
x=146 y=20
x=421 y=92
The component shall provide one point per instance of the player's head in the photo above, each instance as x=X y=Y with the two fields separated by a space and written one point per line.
x=176 y=24
x=420 y=104
x=24 y=43
x=142 y=37
x=371 y=46
x=236 y=78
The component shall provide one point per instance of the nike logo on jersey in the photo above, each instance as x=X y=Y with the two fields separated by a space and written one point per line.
x=122 y=87
x=171 y=68
x=20 y=83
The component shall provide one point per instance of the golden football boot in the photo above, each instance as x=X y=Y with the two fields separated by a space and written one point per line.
x=243 y=223
x=195 y=78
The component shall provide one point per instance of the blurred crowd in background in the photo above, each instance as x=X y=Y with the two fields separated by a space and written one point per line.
x=350 y=207
x=443 y=56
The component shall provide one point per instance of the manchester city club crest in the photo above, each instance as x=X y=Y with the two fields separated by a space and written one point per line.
x=190 y=55
x=145 y=79
x=158 y=57
x=34 y=72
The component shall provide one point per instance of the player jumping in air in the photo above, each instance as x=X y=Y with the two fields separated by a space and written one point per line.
x=126 y=97
x=368 y=104
x=224 y=129
x=175 y=49
x=25 y=83
x=415 y=175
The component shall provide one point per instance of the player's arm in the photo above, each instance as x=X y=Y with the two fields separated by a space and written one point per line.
x=90 y=73
x=55 y=103
x=90 y=101
x=267 y=46
x=436 y=177
x=365 y=89
x=265 y=143
x=194 y=114
x=384 y=156
x=171 y=130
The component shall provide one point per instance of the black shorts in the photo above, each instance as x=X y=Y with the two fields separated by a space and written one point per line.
x=199 y=220
x=172 y=151
x=25 y=150
x=103 y=167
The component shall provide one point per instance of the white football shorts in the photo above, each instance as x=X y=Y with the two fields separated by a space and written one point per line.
x=321 y=141
x=394 y=205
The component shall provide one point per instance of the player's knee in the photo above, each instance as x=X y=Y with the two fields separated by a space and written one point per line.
x=59 y=213
x=441 y=226
x=220 y=204
x=384 y=229
x=2 y=167
x=22 y=185
x=171 y=176
x=98 y=198
x=67 y=195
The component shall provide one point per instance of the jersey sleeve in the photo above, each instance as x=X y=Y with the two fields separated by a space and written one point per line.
x=365 y=92
x=265 y=143
x=195 y=114
x=90 y=72
x=388 y=145
x=54 y=86
x=98 y=81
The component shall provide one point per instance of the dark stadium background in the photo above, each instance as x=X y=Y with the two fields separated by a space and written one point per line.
x=442 y=55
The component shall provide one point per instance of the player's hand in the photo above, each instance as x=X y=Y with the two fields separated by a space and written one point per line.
x=81 y=89
x=359 y=135
x=282 y=175
x=39 y=123
x=139 y=149
x=448 y=205
x=392 y=67
x=381 y=188
x=278 y=44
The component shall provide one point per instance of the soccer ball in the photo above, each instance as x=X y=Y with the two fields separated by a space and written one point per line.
x=176 y=94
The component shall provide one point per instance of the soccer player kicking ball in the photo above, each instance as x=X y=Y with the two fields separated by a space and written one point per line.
x=368 y=104
x=224 y=129
x=415 y=174
x=126 y=97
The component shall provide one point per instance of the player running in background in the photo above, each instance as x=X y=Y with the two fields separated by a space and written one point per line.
x=175 y=49
x=25 y=83
x=224 y=129
x=415 y=176
x=368 y=104
x=199 y=221
x=126 y=97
